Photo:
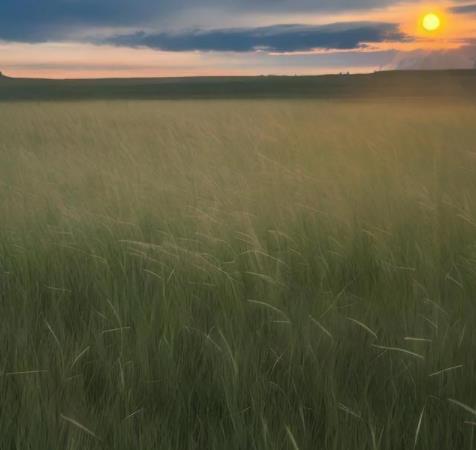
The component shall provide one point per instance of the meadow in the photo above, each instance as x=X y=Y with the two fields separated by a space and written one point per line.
x=239 y=275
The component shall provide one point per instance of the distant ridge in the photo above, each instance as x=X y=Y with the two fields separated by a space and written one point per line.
x=387 y=84
x=433 y=60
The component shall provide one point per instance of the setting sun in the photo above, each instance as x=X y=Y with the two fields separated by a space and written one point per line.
x=431 y=22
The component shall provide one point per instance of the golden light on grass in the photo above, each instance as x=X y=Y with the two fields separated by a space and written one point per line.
x=431 y=22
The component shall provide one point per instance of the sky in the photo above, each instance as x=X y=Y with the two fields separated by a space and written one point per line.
x=153 y=38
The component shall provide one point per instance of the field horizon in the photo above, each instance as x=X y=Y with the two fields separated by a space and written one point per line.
x=400 y=85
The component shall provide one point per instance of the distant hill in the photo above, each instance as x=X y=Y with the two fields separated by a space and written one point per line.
x=434 y=60
x=389 y=84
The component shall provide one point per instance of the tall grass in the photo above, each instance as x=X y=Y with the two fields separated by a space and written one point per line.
x=237 y=275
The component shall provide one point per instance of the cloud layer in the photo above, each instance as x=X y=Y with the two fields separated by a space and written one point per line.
x=464 y=9
x=277 y=38
x=48 y=20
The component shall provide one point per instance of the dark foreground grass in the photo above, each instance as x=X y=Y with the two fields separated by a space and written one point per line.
x=237 y=275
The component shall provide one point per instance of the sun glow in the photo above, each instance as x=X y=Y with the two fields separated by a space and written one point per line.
x=431 y=22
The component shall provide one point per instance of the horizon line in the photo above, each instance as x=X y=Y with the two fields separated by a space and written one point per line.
x=4 y=75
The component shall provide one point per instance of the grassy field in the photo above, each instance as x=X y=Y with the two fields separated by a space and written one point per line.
x=237 y=275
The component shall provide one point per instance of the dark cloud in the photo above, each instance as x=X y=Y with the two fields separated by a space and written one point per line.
x=277 y=38
x=464 y=9
x=43 y=20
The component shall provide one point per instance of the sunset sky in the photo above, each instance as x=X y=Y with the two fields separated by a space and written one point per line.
x=124 y=38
